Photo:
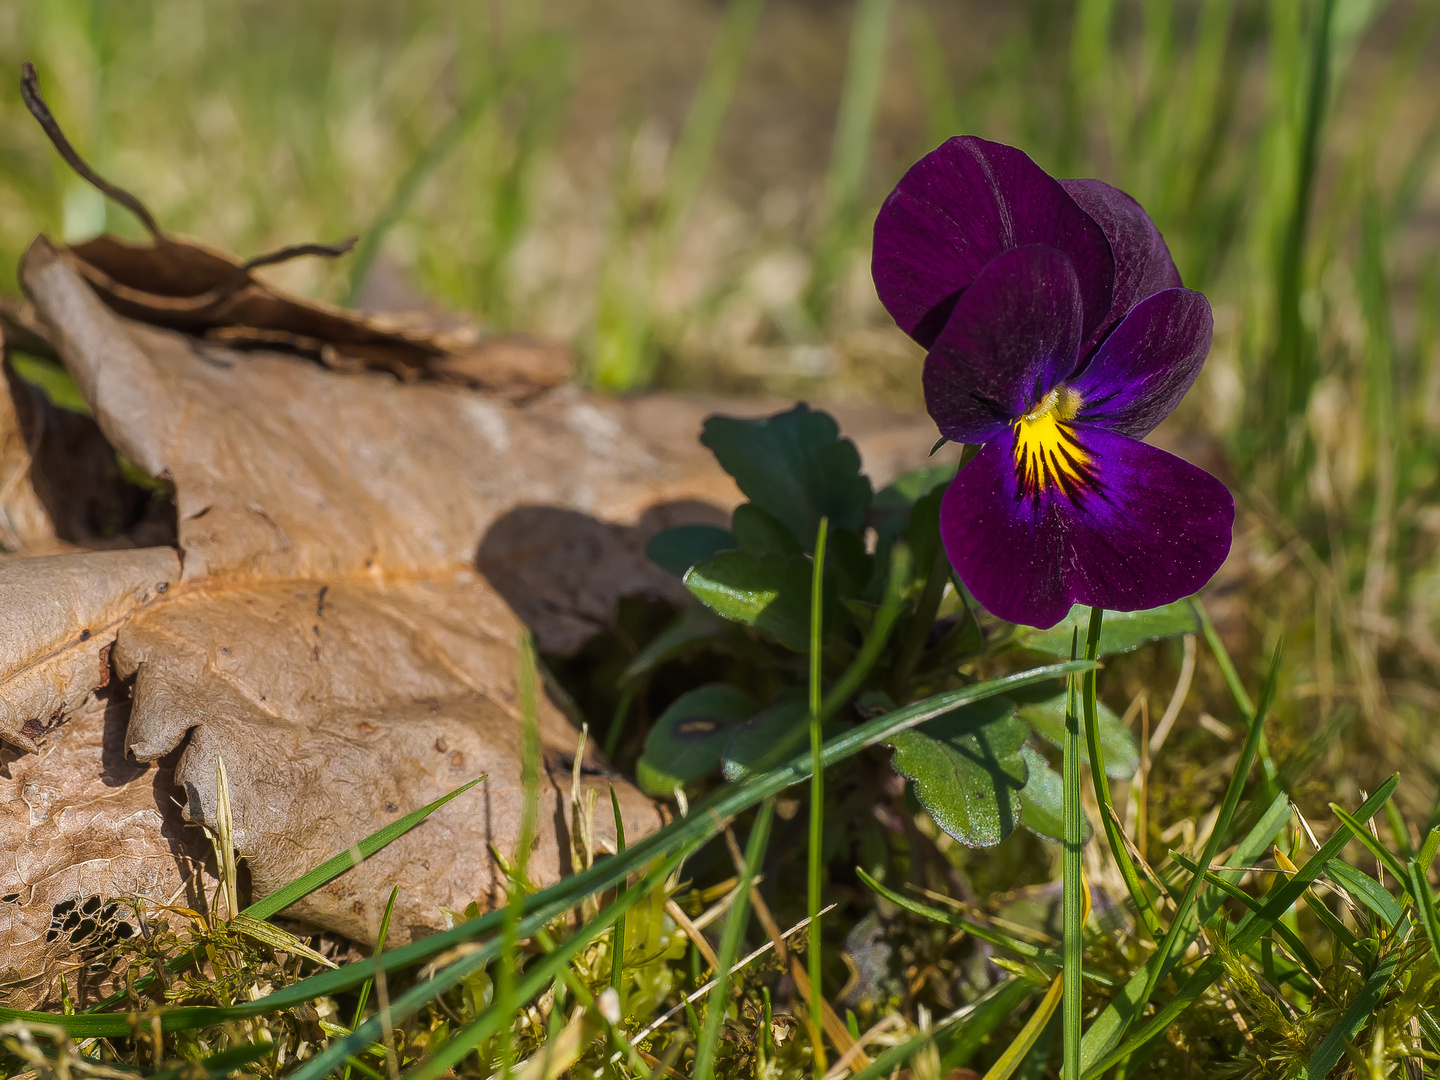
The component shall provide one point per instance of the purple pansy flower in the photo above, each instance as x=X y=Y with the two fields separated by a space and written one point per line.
x=1058 y=338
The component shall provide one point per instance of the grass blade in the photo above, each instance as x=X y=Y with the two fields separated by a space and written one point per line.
x=1231 y=803
x=715 y=1008
x=495 y=1017
x=1105 y=1030
x=815 y=863
x=702 y=824
x=1292 y=940
x=222 y=1064
x=1425 y=902
x=1369 y=892
x=366 y=987
x=850 y=153
x=1293 y=359
x=307 y=883
x=1386 y=858
x=977 y=930
x=705 y=118
x=617 y=956
x=1016 y=1053
x=968 y=1028
x=1332 y=1047
x=1252 y=927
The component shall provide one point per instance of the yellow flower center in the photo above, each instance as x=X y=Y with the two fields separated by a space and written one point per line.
x=1046 y=451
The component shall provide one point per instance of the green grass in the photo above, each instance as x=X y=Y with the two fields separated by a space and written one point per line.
x=524 y=167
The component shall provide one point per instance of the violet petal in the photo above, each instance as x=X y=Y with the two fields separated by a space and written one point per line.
x=957 y=208
x=1143 y=529
x=1147 y=364
x=1012 y=336
x=1142 y=261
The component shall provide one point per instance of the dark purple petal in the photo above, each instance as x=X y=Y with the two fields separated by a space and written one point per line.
x=1145 y=367
x=1125 y=527
x=960 y=206
x=1012 y=336
x=1142 y=261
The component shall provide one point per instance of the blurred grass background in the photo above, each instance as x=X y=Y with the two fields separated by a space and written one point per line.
x=684 y=190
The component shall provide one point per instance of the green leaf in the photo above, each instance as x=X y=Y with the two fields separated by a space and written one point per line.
x=891 y=508
x=685 y=742
x=758 y=533
x=1123 y=631
x=771 y=593
x=968 y=770
x=1360 y=1012
x=922 y=531
x=680 y=548
x=1042 y=800
x=1046 y=714
x=795 y=467
x=752 y=740
x=692 y=625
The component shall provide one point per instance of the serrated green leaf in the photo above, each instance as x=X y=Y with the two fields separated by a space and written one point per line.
x=1046 y=714
x=1123 y=630
x=682 y=547
x=771 y=593
x=753 y=739
x=685 y=742
x=1042 y=800
x=968 y=770
x=794 y=466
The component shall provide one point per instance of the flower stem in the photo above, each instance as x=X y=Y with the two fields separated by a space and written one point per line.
x=1073 y=888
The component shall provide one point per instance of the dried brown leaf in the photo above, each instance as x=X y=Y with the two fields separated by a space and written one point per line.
x=344 y=632
x=83 y=828
x=69 y=608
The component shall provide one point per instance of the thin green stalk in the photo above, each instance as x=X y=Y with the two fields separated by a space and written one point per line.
x=505 y=990
x=1072 y=903
x=1118 y=848
x=719 y=1002
x=375 y=961
x=617 y=957
x=817 y=794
